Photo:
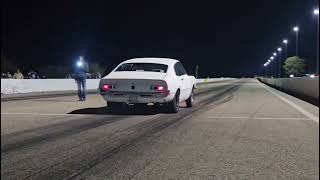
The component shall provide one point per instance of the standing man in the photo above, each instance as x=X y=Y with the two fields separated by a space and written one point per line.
x=9 y=76
x=18 y=75
x=80 y=76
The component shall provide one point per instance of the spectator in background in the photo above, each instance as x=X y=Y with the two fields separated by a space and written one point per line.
x=31 y=75
x=18 y=75
x=36 y=74
x=9 y=76
x=3 y=75
x=69 y=76
x=80 y=76
x=98 y=75
x=89 y=75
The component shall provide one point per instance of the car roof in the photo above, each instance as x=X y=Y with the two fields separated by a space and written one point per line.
x=166 y=61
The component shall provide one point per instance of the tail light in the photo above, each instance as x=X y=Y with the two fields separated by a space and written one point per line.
x=162 y=89
x=106 y=87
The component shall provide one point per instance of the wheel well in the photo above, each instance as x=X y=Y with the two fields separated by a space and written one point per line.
x=178 y=91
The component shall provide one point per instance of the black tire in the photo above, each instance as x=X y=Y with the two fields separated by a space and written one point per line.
x=190 y=100
x=173 y=106
x=114 y=106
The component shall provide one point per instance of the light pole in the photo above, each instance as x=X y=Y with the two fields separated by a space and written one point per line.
x=279 y=63
x=316 y=13
x=267 y=64
x=275 y=64
x=197 y=68
x=266 y=69
x=272 y=58
x=296 y=29
x=285 y=42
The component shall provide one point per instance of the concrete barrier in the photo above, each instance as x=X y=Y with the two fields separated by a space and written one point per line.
x=304 y=87
x=211 y=80
x=20 y=86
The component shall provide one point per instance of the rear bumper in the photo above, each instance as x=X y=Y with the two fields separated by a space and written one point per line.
x=139 y=97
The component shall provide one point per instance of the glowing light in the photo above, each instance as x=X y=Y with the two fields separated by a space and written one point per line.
x=79 y=63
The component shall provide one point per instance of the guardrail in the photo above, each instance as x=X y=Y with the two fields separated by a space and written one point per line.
x=305 y=88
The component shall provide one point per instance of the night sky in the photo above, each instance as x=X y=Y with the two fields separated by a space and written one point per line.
x=226 y=38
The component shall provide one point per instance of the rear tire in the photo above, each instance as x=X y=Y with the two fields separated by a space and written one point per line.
x=173 y=106
x=190 y=100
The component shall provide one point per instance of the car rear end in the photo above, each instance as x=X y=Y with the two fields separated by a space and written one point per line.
x=133 y=91
x=136 y=81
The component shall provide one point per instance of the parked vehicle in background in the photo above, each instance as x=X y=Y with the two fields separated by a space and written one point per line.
x=160 y=81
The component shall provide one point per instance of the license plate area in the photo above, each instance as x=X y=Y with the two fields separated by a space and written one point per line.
x=133 y=98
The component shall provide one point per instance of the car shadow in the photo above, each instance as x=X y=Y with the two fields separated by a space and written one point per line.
x=125 y=110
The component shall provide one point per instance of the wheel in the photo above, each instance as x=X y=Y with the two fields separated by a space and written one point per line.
x=190 y=100
x=173 y=106
x=114 y=106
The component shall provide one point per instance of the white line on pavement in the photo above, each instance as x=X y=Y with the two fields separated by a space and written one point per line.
x=262 y=118
x=300 y=109
x=44 y=114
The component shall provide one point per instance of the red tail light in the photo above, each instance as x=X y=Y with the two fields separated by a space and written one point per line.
x=106 y=87
x=161 y=88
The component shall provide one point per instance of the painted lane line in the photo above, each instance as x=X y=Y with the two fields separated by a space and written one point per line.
x=262 y=118
x=44 y=114
x=300 y=109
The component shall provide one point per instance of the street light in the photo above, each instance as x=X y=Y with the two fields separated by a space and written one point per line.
x=266 y=66
x=279 y=62
x=272 y=58
x=296 y=29
x=316 y=13
x=285 y=42
x=274 y=68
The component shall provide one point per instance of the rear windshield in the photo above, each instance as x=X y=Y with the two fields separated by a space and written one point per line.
x=151 y=67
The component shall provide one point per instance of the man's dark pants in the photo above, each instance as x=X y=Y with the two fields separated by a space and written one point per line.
x=81 y=88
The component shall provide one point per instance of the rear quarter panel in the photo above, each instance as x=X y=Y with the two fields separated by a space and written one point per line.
x=173 y=82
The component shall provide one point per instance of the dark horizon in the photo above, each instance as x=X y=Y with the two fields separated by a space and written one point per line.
x=223 y=38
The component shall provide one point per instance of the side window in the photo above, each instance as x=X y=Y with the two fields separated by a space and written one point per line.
x=182 y=70
x=176 y=69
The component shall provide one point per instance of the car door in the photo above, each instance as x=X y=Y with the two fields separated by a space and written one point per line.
x=184 y=79
x=179 y=79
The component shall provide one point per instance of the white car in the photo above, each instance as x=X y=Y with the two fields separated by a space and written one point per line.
x=148 y=80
